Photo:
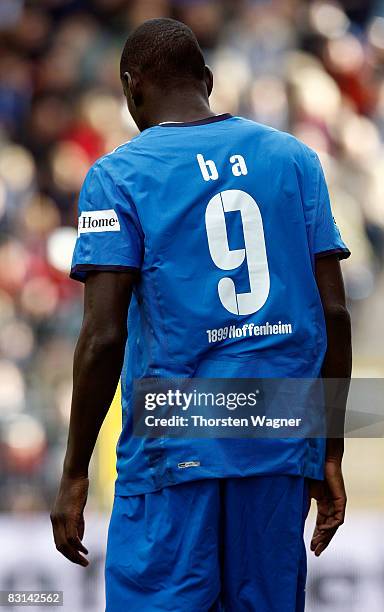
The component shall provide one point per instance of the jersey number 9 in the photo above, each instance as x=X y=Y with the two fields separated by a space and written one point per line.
x=226 y=259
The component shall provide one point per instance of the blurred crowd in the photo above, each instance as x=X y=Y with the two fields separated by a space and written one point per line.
x=315 y=69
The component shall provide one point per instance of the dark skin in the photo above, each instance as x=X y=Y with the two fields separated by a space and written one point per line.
x=150 y=105
x=100 y=348
x=97 y=365
x=330 y=493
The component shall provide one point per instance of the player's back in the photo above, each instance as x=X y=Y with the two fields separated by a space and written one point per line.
x=223 y=218
x=228 y=210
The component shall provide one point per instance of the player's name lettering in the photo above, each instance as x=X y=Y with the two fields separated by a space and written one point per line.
x=248 y=329
x=210 y=172
x=98 y=221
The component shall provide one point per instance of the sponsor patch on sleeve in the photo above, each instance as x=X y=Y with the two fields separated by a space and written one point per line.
x=98 y=221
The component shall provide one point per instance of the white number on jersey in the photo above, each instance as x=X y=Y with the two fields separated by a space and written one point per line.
x=254 y=251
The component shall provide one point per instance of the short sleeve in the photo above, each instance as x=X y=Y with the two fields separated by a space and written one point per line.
x=326 y=235
x=109 y=237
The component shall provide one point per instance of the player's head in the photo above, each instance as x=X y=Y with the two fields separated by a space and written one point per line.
x=160 y=58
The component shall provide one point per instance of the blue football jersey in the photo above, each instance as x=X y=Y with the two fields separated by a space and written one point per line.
x=224 y=218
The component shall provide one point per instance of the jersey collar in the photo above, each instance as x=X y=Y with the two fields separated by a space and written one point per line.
x=205 y=121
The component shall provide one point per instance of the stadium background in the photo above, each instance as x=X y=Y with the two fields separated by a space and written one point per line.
x=315 y=69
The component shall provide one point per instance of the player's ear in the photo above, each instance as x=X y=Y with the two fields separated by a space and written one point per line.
x=131 y=87
x=208 y=78
x=125 y=80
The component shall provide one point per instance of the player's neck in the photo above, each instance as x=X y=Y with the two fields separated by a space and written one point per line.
x=179 y=108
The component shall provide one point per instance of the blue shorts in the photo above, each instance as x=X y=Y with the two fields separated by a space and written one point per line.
x=210 y=545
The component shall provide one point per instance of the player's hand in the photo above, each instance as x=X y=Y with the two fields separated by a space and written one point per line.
x=68 y=519
x=331 y=502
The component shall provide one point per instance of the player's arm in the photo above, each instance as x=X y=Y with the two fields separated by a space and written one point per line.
x=97 y=366
x=330 y=494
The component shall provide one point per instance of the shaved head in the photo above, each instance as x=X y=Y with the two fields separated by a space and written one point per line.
x=165 y=51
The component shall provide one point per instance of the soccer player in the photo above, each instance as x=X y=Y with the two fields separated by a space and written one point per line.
x=203 y=223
